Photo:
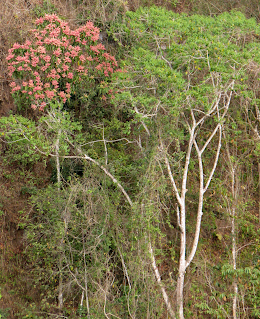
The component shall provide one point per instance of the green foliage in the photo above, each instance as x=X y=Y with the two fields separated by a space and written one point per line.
x=27 y=140
x=4 y=313
x=19 y=135
x=84 y=226
x=177 y=64
x=45 y=8
x=174 y=65
x=73 y=226
x=248 y=283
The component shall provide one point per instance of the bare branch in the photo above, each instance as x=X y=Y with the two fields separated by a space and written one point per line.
x=211 y=110
x=107 y=141
x=215 y=162
x=158 y=278
x=186 y=166
x=172 y=180
x=210 y=138
x=178 y=216
x=88 y=158
x=199 y=212
x=57 y=149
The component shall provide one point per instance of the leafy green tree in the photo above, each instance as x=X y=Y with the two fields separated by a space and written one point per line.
x=184 y=74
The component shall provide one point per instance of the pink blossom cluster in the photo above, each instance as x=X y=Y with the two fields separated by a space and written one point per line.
x=49 y=67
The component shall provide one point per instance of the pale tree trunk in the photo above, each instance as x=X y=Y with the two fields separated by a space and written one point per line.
x=234 y=249
x=180 y=291
x=184 y=261
x=181 y=216
x=60 y=289
x=158 y=278
x=234 y=259
x=57 y=150
x=232 y=213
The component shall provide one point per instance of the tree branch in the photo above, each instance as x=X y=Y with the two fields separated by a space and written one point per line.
x=215 y=162
x=158 y=277
x=199 y=213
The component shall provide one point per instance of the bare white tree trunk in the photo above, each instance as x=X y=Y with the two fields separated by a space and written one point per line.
x=60 y=290
x=234 y=248
x=180 y=291
x=158 y=278
x=234 y=259
x=194 y=127
x=232 y=213
x=183 y=262
x=57 y=150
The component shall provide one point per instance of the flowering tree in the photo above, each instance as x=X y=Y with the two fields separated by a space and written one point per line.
x=51 y=66
x=47 y=70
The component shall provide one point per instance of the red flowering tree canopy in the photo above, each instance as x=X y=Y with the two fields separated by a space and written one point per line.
x=49 y=67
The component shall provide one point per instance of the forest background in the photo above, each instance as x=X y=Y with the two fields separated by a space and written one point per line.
x=137 y=195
